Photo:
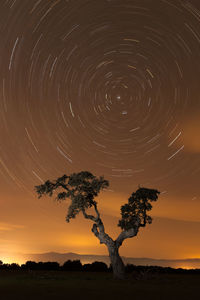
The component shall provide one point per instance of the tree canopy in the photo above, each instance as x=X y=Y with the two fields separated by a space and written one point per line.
x=80 y=187
x=135 y=211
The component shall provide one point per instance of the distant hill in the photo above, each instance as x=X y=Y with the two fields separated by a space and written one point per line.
x=62 y=257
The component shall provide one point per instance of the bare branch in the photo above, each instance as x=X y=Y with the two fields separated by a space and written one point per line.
x=89 y=216
x=97 y=220
x=97 y=212
x=98 y=227
x=96 y=233
x=125 y=235
x=103 y=237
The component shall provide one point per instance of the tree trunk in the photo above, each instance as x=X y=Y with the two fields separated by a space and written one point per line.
x=116 y=262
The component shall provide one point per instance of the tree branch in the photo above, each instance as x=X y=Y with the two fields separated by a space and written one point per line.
x=98 y=227
x=63 y=186
x=97 y=234
x=103 y=237
x=125 y=235
x=99 y=221
x=97 y=212
x=89 y=216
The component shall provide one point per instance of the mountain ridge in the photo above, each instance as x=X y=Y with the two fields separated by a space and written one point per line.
x=89 y=258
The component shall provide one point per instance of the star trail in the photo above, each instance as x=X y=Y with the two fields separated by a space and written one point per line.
x=111 y=87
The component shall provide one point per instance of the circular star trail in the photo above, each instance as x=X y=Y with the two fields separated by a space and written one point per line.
x=105 y=86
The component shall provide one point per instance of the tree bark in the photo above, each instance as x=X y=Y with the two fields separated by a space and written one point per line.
x=113 y=246
x=116 y=262
x=113 y=250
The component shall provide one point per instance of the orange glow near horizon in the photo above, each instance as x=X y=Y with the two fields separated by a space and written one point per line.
x=76 y=236
x=11 y=259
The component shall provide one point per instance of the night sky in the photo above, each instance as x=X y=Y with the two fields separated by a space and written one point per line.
x=111 y=87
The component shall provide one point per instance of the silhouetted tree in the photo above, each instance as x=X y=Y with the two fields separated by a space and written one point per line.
x=30 y=265
x=14 y=266
x=96 y=266
x=82 y=188
x=74 y=265
x=48 y=265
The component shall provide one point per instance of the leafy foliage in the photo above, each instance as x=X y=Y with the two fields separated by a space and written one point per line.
x=48 y=187
x=134 y=213
x=83 y=187
x=80 y=187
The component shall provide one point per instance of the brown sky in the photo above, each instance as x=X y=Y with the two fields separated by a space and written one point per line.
x=111 y=87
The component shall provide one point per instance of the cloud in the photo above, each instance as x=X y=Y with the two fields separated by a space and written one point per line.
x=182 y=209
x=9 y=227
x=190 y=137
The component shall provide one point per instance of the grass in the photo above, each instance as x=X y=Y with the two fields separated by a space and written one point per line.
x=29 y=285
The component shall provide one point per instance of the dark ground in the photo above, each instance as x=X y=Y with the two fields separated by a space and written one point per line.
x=43 y=285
